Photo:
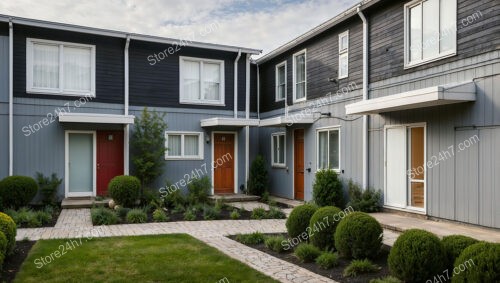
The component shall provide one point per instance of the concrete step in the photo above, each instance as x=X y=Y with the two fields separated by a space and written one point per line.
x=82 y=202
x=290 y=203
x=234 y=198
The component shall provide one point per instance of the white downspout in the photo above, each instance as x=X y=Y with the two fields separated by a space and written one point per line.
x=365 y=97
x=11 y=98
x=247 y=116
x=236 y=84
x=258 y=92
x=126 y=139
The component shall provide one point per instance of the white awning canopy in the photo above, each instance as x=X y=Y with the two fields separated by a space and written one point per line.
x=95 y=118
x=228 y=122
x=291 y=119
x=426 y=97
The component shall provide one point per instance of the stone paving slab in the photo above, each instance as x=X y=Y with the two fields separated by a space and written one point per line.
x=249 y=205
x=74 y=218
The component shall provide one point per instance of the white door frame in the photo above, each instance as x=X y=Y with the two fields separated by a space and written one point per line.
x=407 y=206
x=235 y=158
x=66 y=164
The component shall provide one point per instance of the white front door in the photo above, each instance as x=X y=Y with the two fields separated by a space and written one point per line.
x=395 y=187
x=80 y=179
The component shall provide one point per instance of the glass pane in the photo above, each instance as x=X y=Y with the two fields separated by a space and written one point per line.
x=417 y=152
x=281 y=146
x=77 y=69
x=45 y=66
x=343 y=59
x=322 y=150
x=275 y=149
x=344 y=42
x=81 y=162
x=174 y=145
x=430 y=44
x=281 y=92
x=191 y=145
x=300 y=90
x=281 y=75
x=417 y=194
x=415 y=33
x=211 y=77
x=191 y=80
x=334 y=149
x=448 y=17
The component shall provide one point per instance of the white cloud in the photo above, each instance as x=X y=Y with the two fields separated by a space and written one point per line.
x=257 y=24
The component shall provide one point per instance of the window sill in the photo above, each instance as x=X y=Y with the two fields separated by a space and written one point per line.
x=183 y=158
x=202 y=103
x=278 y=166
x=427 y=61
x=47 y=92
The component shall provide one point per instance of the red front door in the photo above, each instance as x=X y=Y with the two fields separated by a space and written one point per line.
x=223 y=164
x=109 y=158
x=298 y=161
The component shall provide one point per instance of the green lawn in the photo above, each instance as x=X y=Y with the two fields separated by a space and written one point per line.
x=164 y=258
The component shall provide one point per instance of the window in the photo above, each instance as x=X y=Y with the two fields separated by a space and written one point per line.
x=201 y=81
x=60 y=68
x=329 y=148
x=278 y=149
x=299 y=76
x=182 y=145
x=430 y=30
x=343 y=55
x=281 y=81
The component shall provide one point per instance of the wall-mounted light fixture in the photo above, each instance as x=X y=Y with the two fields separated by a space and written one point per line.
x=207 y=138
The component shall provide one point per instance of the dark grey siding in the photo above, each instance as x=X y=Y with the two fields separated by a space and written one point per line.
x=386 y=25
x=4 y=106
x=253 y=88
x=109 y=61
x=4 y=29
x=322 y=63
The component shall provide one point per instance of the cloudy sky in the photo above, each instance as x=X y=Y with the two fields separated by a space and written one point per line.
x=257 y=24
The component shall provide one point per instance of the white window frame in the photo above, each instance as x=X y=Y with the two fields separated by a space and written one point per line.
x=277 y=98
x=60 y=90
x=200 y=155
x=440 y=55
x=304 y=51
x=343 y=53
x=273 y=162
x=328 y=129
x=183 y=100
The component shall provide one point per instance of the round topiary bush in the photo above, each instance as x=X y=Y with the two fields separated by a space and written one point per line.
x=417 y=256
x=327 y=189
x=8 y=227
x=3 y=248
x=299 y=218
x=454 y=245
x=17 y=191
x=359 y=236
x=322 y=227
x=479 y=262
x=124 y=190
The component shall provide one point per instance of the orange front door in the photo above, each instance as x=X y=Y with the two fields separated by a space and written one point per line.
x=223 y=163
x=109 y=158
x=298 y=163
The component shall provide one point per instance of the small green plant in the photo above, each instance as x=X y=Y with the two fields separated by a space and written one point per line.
x=220 y=204
x=48 y=187
x=258 y=179
x=210 y=212
x=322 y=227
x=327 y=260
x=103 y=216
x=159 y=215
x=125 y=190
x=327 y=189
x=254 y=238
x=299 y=218
x=359 y=266
x=265 y=197
x=122 y=212
x=173 y=197
x=137 y=216
x=43 y=216
x=368 y=200
x=179 y=209
x=235 y=214
x=189 y=215
x=25 y=217
x=275 y=243
x=275 y=213
x=454 y=245
x=17 y=191
x=307 y=252
x=258 y=213
x=387 y=279
x=198 y=190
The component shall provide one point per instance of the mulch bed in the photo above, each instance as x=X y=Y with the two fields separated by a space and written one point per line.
x=334 y=273
x=13 y=263
x=224 y=215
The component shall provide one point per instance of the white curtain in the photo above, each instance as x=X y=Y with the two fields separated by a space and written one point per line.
x=174 y=145
x=45 y=66
x=430 y=27
x=191 y=145
x=343 y=64
x=191 y=80
x=300 y=76
x=77 y=68
x=211 y=77
x=281 y=145
x=322 y=150
x=334 y=149
x=416 y=33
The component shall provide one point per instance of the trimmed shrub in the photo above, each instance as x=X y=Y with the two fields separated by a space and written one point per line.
x=358 y=236
x=198 y=190
x=125 y=190
x=235 y=214
x=48 y=187
x=359 y=266
x=137 y=216
x=258 y=213
x=159 y=215
x=258 y=179
x=307 y=252
x=103 y=216
x=416 y=256
x=327 y=189
x=322 y=227
x=368 y=200
x=17 y=191
x=275 y=243
x=8 y=227
x=3 y=248
x=254 y=238
x=327 y=260
x=454 y=245
x=299 y=218
x=479 y=262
